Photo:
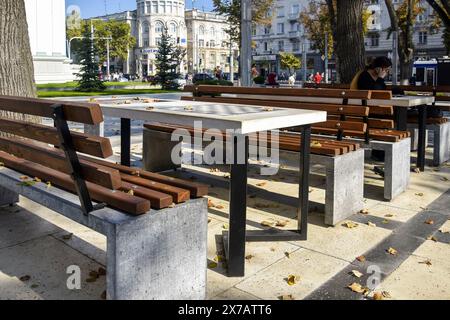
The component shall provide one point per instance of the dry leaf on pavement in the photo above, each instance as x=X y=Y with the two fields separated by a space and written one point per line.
x=429 y=221
x=378 y=296
x=364 y=211
x=267 y=223
x=350 y=224
x=356 y=287
x=392 y=251
x=356 y=273
x=361 y=258
x=371 y=224
x=427 y=262
x=292 y=279
x=287 y=297
x=433 y=238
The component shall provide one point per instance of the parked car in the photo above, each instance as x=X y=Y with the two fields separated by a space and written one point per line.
x=181 y=81
x=202 y=77
x=226 y=76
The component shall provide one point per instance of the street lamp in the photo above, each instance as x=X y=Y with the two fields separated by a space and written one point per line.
x=304 y=58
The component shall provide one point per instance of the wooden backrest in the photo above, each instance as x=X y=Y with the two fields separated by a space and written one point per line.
x=75 y=112
x=295 y=92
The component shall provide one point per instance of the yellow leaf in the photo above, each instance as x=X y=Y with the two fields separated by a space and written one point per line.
x=212 y=265
x=356 y=273
x=386 y=294
x=267 y=223
x=378 y=296
x=350 y=224
x=385 y=221
x=370 y=224
x=419 y=194
x=392 y=251
x=361 y=258
x=281 y=223
x=37 y=179
x=364 y=211
x=356 y=287
x=292 y=279
x=219 y=258
x=268 y=109
x=49 y=184
x=131 y=193
x=262 y=184
x=432 y=238
x=316 y=144
x=287 y=297
x=24 y=178
x=427 y=262
x=429 y=221
x=225 y=226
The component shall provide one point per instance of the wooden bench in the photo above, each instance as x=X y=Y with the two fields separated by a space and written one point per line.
x=343 y=162
x=148 y=218
x=438 y=124
x=375 y=125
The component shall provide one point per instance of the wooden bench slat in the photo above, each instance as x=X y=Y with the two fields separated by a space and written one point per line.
x=196 y=190
x=116 y=199
x=87 y=113
x=158 y=200
x=55 y=159
x=299 y=92
x=89 y=144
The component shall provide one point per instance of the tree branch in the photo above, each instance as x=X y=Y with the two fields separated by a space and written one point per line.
x=445 y=16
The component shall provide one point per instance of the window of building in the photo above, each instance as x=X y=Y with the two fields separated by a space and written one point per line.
x=266 y=30
x=146 y=28
x=280 y=12
x=295 y=8
x=296 y=46
x=212 y=44
x=155 y=7
x=157 y=40
x=201 y=43
x=173 y=28
x=213 y=32
x=423 y=37
x=201 y=30
x=159 y=27
x=169 y=6
x=281 y=45
x=280 y=28
x=253 y=31
x=145 y=56
x=162 y=7
x=145 y=43
x=374 y=40
x=148 y=6
x=266 y=46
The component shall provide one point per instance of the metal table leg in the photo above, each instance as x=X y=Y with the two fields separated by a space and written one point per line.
x=422 y=137
x=401 y=118
x=125 y=142
x=303 y=198
x=238 y=212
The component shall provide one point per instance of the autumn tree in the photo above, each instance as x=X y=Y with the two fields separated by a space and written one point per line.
x=119 y=32
x=442 y=9
x=289 y=61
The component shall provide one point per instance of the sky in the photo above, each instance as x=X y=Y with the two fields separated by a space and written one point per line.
x=91 y=8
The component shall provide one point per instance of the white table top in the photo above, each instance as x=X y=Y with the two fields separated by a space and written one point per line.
x=399 y=101
x=248 y=119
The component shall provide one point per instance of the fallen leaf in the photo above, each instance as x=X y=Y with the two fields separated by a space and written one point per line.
x=432 y=238
x=444 y=179
x=385 y=221
x=131 y=192
x=356 y=287
x=281 y=223
x=287 y=297
x=316 y=144
x=378 y=296
x=419 y=194
x=23 y=178
x=220 y=207
x=49 y=184
x=94 y=274
x=427 y=262
x=267 y=223
x=429 y=221
x=444 y=230
x=101 y=271
x=356 y=273
x=188 y=108
x=214 y=170
x=361 y=258
x=225 y=226
x=292 y=279
x=219 y=258
x=392 y=251
x=37 y=179
x=27 y=183
x=212 y=265
x=209 y=220
x=350 y=224
x=288 y=255
x=388 y=215
x=364 y=211
x=25 y=278
x=150 y=108
x=268 y=109
x=386 y=294
x=262 y=184
x=249 y=257
x=67 y=236
x=211 y=204
x=272 y=249
x=2 y=164
x=371 y=224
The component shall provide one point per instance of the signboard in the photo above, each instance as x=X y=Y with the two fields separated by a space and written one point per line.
x=269 y=57
x=149 y=50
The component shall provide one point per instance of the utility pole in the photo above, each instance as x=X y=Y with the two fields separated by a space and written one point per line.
x=231 y=60
x=394 y=57
x=304 y=58
x=246 y=42
x=326 y=57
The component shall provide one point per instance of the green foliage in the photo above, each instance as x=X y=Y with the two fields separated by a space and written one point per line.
x=168 y=60
x=89 y=72
x=120 y=32
x=290 y=61
x=317 y=22
x=259 y=80
x=232 y=10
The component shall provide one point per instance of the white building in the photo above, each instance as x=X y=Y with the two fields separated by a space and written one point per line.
x=47 y=30
x=208 y=43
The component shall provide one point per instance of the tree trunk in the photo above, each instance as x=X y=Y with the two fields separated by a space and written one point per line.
x=406 y=47
x=16 y=61
x=350 y=49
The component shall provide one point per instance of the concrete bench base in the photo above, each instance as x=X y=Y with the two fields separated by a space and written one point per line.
x=344 y=173
x=397 y=166
x=159 y=255
x=441 y=141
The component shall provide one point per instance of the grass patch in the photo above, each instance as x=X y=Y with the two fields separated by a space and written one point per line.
x=74 y=84
x=56 y=94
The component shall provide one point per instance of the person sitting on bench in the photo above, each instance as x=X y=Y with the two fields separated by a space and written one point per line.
x=272 y=79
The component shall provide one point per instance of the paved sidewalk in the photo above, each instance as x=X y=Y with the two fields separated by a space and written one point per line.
x=37 y=245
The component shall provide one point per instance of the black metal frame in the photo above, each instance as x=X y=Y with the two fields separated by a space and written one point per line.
x=67 y=145
x=235 y=238
x=125 y=142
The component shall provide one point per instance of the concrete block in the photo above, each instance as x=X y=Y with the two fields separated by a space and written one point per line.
x=158 y=255
x=441 y=148
x=414 y=131
x=397 y=166
x=8 y=197
x=344 y=193
x=157 y=151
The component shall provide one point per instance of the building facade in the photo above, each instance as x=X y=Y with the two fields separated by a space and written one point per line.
x=47 y=31
x=208 y=43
